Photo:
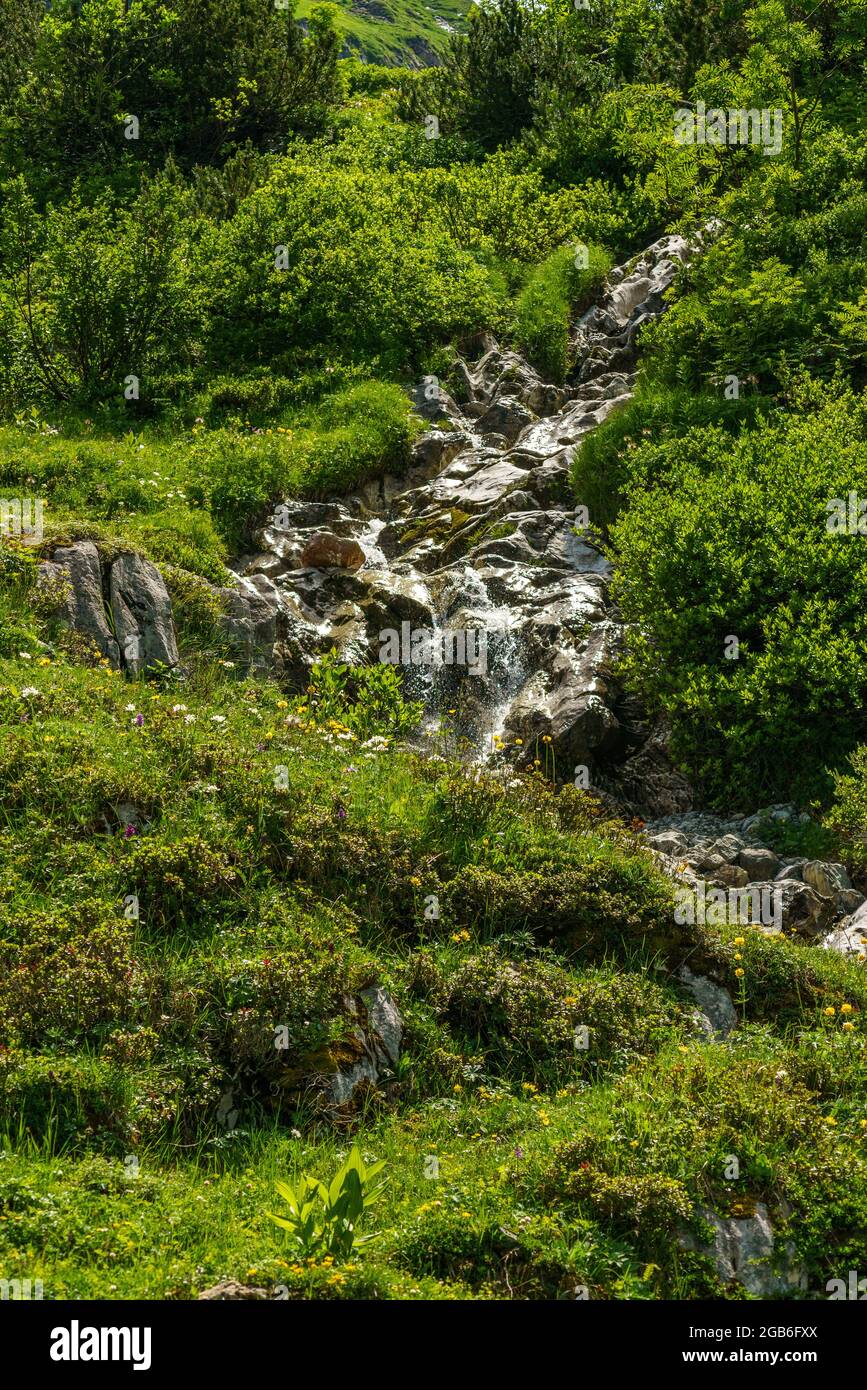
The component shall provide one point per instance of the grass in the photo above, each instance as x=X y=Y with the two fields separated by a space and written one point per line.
x=255 y=908
x=395 y=33
x=188 y=496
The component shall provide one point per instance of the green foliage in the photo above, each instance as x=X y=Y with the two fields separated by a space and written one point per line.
x=735 y=539
x=368 y=700
x=555 y=291
x=326 y=1220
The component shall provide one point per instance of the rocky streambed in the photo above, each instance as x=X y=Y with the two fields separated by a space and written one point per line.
x=480 y=541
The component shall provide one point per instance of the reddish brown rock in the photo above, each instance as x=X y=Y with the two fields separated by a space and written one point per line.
x=325 y=551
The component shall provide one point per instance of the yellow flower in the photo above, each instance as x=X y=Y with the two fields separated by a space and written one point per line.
x=519 y=742
x=845 y=1008
x=829 y=1120
x=546 y=738
x=416 y=882
x=848 y=1027
x=738 y=955
x=830 y=1011
x=740 y=941
x=457 y=1088
x=282 y=704
x=739 y=974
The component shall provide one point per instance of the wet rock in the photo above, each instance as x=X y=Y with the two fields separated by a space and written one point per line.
x=250 y=620
x=327 y=551
x=505 y=416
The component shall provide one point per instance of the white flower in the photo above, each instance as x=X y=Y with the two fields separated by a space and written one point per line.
x=130 y=709
x=179 y=709
x=377 y=743
x=29 y=690
x=229 y=665
x=25 y=656
x=189 y=719
x=218 y=719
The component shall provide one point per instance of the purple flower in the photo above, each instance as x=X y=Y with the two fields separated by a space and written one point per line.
x=341 y=814
x=519 y=1152
x=129 y=832
x=139 y=719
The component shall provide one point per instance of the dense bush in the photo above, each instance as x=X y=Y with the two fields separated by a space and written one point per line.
x=732 y=540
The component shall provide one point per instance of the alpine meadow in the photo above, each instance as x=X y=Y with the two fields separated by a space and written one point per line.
x=433 y=656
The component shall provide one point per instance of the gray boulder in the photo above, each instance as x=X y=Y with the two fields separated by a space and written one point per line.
x=84 y=605
x=142 y=612
x=743 y=1252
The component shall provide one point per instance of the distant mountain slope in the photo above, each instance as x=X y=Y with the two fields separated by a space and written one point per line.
x=406 y=33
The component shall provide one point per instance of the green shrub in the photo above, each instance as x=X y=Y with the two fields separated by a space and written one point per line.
x=63 y=973
x=735 y=542
x=556 y=290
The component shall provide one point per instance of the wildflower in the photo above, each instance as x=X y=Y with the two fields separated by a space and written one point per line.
x=546 y=738
x=139 y=720
x=848 y=1027
x=218 y=719
x=738 y=955
x=844 y=1008
x=740 y=941
x=189 y=719
x=830 y=1011
x=130 y=709
x=129 y=831
x=739 y=974
x=29 y=690
x=519 y=742
x=830 y=1120
x=179 y=709
x=457 y=1088
x=282 y=704
x=415 y=881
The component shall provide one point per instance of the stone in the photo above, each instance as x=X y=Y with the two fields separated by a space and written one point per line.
x=377 y=1033
x=743 y=1251
x=142 y=613
x=250 y=620
x=230 y=1291
x=83 y=607
x=505 y=416
x=670 y=842
x=717 y=1013
x=731 y=875
x=802 y=908
x=327 y=551
x=728 y=847
x=825 y=878
x=759 y=863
